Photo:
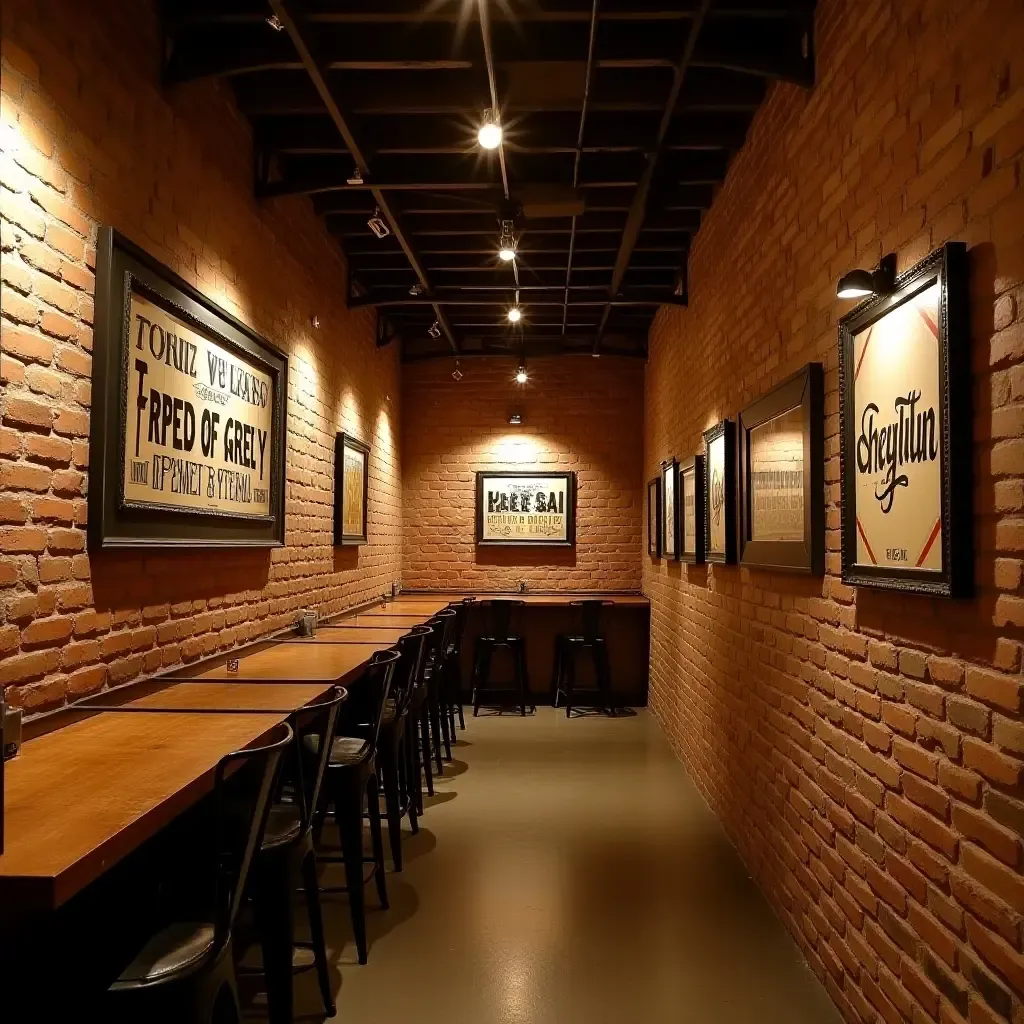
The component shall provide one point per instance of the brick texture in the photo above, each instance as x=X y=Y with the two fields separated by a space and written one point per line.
x=579 y=413
x=89 y=138
x=864 y=750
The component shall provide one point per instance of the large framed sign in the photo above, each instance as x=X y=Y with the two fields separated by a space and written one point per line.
x=654 y=517
x=670 y=509
x=351 y=485
x=691 y=503
x=526 y=509
x=905 y=433
x=720 y=493
x=782 y=476
x=187 y=429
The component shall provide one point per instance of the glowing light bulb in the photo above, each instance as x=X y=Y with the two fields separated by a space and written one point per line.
x=489 y=135
x=521 y=377
x=514 y=315
x=506 y=254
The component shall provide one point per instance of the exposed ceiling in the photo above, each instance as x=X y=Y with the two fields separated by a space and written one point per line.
x=619 y=120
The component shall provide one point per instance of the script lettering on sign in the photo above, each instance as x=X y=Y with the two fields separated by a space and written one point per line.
x=668 y=520
x=898 y=437
x=777 y=478
x=197 y=421
x=687 y=485
x=716 y=493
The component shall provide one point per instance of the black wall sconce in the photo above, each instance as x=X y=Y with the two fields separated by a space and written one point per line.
x=857 y=284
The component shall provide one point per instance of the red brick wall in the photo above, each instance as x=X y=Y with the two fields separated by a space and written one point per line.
x=864 y=750
x=579 y=413
x=89 y=138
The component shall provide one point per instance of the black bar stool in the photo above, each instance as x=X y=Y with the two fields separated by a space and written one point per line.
x=419 y=713
x=351 y=785
x=568 y=647
x=185 y=972
x=442 y=740
x=500 y=636
x=452 y=680
x=287 y=853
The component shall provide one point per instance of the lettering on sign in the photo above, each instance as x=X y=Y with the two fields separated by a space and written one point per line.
x=198 y=420
x=777 y=478
x=898 y=439
x=716 y=494
x=524 y=509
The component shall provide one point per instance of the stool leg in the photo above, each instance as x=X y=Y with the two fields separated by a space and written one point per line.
x=520 y=660
x=393 y=804
x=412 y=772
x=277 y=932
x=316 y=928
x=556 y=671
x=424 y=754
x=604 y=676
x=348 y=810
x=435 y=731
x=570 y=680
x=377 y=837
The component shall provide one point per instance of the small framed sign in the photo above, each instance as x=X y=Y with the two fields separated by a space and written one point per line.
x=691 y=504
x=782 y=476
x=905 y=433
x=670 y=509
x=526 y=509
x=351 y=487
x=720 y=493
x=187 y=429
x=654 y=517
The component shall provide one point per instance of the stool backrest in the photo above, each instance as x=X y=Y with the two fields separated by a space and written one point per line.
x=501 y=610
x=320 y=720
x=461 y=609
x=590 y=610
x=243 y=785
x=367 y=697
x=407 y=671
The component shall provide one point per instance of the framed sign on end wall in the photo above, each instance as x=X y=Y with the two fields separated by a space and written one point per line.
x=654 y=517
x=691 y=504
x=187 y=439
x=720 y=493
x=670 y=509
x=782 y=476
x=905 y=433
x=351 y=488
x=526 y=509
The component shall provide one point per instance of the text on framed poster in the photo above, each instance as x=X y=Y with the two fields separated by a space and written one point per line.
x=526 y=508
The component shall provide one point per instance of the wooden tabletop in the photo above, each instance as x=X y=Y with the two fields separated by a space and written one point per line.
x=220 y=696
x=80 y=798
x=548 y=600
x=343 y=634
x=286 y=662
x=395 y=620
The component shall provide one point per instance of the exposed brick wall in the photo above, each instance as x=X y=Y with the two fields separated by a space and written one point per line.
x=579 y=413
x=89 y=138
x=864 y=750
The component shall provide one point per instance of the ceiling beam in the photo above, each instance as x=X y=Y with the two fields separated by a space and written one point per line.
x=638 y=210
x=283 y=11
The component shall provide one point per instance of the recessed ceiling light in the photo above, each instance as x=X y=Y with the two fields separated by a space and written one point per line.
x=489 y=135
x=514 y=315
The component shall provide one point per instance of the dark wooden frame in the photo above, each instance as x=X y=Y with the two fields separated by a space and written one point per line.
x=570 y=519
x=341 y=442
x=805 y=390
x=122 y=267
x=947 y=266
x=670 y=529
x=726 y=428
x=654 y=501
x=696 y=463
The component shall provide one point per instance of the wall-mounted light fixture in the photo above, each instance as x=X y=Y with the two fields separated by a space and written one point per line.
x=856 y=284
x=515 y=419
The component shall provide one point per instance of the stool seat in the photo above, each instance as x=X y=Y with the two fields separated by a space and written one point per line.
x=345 y=750
x=174 y=950
x=284 y=823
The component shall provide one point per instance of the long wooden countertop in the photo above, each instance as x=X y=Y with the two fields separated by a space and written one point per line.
x=551 y=599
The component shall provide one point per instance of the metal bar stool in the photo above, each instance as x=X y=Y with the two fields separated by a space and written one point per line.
x=568 y=647
x=501 y=636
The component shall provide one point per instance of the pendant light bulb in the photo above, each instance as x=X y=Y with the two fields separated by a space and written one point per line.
x=521 y=376
x=514 y=315
x=507 y=253
x=489 y=135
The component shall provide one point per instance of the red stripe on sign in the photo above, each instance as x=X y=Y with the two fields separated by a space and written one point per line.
x=860 y=530
x=863 y=353
x=931 y=541
x=927 y=318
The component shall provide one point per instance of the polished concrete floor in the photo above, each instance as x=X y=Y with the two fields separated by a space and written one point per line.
x=568 y=872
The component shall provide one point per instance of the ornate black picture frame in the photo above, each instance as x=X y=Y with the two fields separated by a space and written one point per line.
x=351 y=489
x=670 y=509
x=905 y=433
x=720 y=493
x=691 y=508
x=654 y=517
x=124 y=274
x=548 y=520
x=782 y=476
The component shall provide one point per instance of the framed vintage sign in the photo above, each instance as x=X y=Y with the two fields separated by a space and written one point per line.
x=670 y=509
x=351 y=486
x=654 y=517
x=691 y=505
x=782 y=476
x=905 y=433
x=526 y=509
x=187 y=430
x=720 y=493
